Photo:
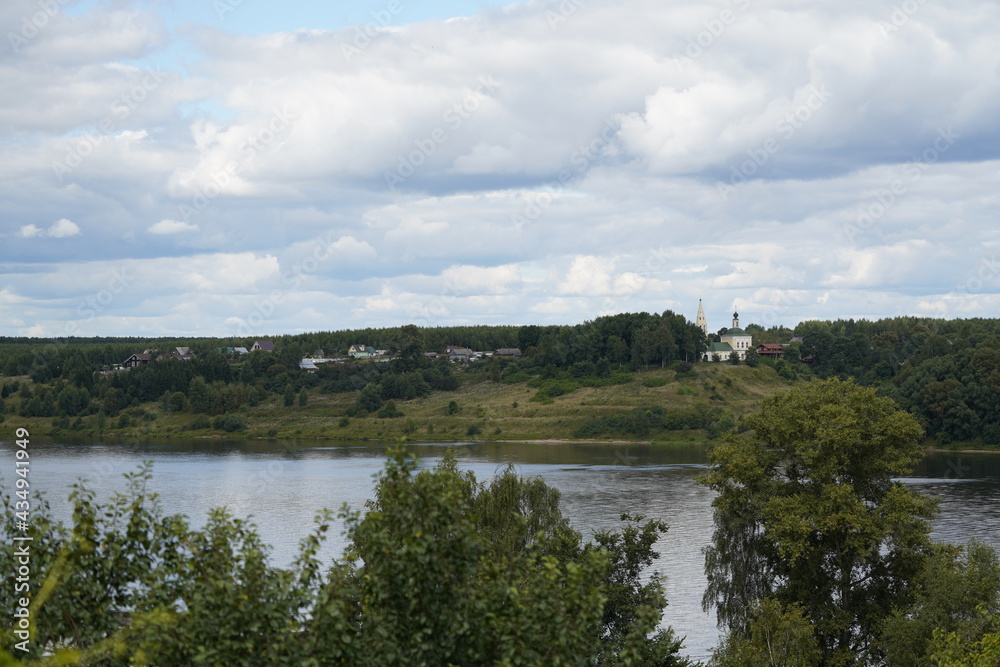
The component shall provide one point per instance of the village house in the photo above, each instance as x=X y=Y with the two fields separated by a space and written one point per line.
x=457 y=354
x=358 y=351
x=137 y=360
x=263 y=345
x=771 y=350
x=508 y=352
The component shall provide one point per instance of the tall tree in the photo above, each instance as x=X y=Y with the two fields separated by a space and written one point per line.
x=808 y=513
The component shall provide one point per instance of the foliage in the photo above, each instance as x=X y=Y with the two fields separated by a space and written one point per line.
x=777 y=636
x=389 y=411
x=808 y=513
x=440 y=569
x=958 y=594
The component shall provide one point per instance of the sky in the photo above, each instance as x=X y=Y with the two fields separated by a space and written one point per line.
x=246 y=168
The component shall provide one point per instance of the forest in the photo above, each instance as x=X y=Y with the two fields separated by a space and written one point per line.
x=945 y=372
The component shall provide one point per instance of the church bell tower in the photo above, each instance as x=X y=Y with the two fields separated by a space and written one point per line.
x=701 y=322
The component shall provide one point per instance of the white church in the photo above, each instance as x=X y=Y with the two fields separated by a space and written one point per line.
x=733 y=339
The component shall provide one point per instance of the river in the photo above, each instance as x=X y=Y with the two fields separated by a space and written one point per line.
x=282 y=484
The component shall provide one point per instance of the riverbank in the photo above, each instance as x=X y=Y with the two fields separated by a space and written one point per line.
x=659 y=406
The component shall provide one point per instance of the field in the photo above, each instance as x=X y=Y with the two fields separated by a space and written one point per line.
x=479 y=410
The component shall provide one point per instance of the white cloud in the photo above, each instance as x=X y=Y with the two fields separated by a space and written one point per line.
x=62 y=228
x=167 y=226
x=532 y=193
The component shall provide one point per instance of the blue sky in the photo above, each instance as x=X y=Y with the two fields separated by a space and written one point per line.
x=252 y=168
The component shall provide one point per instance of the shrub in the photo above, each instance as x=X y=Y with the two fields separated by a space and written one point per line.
x=474 y=430
x=200 y=422
x=229 y=423
x=652 y=383
x=389 y=411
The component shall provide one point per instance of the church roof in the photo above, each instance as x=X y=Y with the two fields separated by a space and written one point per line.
x=735 y=332
x=719 y=347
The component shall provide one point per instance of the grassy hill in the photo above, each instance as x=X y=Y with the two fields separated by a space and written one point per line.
x=658 y=405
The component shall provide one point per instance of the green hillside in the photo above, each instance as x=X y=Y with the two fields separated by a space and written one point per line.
x=658 y=405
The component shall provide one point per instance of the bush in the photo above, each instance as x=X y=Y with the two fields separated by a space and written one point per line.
x=687 y=391
x=453 y=407
x=229 y=423
x=605 y=381
x=473 y=430
x=344 y=421
x=389 y=411
x=653 y=383
x=200 y=422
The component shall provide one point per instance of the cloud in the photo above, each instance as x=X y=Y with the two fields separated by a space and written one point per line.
x=171 y=227
x=62 y=228
x=529 y=194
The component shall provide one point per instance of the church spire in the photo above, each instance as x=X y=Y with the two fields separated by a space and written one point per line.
x=701 y=322
x=736 y=320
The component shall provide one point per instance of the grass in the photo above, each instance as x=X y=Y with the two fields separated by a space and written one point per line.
x=487 y=411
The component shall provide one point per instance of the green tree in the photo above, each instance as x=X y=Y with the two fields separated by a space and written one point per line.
x=958 y=593
x=303 y=397
x=410 y=346
x=807 y=513
x=642 y=347
x=289 y=396
x=370 y=398
x=777 y=636
x=440 y=570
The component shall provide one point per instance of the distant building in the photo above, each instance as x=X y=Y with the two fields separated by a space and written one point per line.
x=701 y=322
x=358 y=351
x=731 y=340
x=182 y=353
x=509 y=352
x=137 y=360
x=771 y=350
x=262 y=345
x=458 y=354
